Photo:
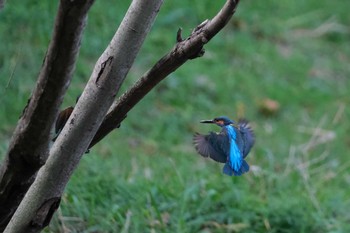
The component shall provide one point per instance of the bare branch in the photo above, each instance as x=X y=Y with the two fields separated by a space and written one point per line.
x=28 y=149
x=190 y=48
x=43 y=196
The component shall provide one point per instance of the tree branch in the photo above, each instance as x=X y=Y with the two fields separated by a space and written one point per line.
x=190 y=48
x=42 y=198
x=28 y=149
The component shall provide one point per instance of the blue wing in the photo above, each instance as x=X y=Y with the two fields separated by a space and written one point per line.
x=212 y=145
x=247 y=137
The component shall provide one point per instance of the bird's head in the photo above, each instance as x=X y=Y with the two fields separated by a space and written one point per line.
x=220 y=121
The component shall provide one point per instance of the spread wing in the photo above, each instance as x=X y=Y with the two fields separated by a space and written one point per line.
x=247 y=136
x=213 y=145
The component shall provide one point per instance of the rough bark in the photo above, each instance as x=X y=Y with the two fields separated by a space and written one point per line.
x=28 y=149
x=190 y=48
x=42 y=198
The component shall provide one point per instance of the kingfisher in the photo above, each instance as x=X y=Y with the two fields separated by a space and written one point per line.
x=231 y=146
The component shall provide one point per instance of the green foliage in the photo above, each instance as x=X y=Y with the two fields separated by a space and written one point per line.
x=146 y=176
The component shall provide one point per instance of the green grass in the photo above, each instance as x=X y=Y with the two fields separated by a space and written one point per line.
x=146 y=176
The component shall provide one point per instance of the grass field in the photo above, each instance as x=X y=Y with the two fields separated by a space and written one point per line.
x=147 y=177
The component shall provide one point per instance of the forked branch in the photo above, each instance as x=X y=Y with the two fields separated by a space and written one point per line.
x=189 y=48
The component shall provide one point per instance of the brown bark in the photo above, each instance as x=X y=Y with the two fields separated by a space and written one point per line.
x=28 y=149
x=41 y=200
x=190 y=48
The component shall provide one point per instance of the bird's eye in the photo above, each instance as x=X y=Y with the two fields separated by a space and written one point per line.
x=220 y=122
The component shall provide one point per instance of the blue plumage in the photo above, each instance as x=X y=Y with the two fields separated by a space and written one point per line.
x=235 y=158
x=230 y=146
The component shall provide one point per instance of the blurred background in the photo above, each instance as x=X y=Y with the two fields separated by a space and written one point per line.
x=284 y=65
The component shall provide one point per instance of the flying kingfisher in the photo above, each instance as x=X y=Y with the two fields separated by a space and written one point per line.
x=230 y=146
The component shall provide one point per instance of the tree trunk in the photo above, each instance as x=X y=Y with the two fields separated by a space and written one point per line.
x=28 y=148
x=43 y=197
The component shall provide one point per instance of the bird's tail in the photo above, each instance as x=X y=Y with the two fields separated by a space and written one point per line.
x=244 y=168
x=229 y=171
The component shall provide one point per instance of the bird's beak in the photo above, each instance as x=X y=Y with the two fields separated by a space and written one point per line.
x=207 y=121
